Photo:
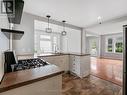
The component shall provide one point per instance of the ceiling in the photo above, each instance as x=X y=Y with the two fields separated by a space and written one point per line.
x=107 y=28
x=81 y=13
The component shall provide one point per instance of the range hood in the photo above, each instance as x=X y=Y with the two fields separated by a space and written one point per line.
x=18 y=9
x=12 y=31
x=16 y=34
x=16 y=19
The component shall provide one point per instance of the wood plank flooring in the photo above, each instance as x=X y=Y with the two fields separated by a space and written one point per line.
x=90 y=85
x=107 y=69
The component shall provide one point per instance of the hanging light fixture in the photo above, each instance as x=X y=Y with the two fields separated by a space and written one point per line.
x=63 y=33
x=48 y=29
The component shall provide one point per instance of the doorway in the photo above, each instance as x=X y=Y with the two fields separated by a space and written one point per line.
x=92 y=45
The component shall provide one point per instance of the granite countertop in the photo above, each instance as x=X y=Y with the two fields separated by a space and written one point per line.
x=20 y=78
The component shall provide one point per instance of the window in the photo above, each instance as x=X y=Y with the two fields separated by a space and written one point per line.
x=45 y=37
x=46 y=43
x=114 y=44
x=110 y=46
x=94 y=44
x=119 y=45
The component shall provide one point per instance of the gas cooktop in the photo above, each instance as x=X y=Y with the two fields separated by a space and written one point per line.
x=29 y=64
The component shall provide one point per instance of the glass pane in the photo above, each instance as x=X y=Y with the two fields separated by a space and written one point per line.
x=109 y=48
x=93 y=44
x=119 y=47
x=45 y=37
x=55 y=40
x=109 y=41
x=45 y=46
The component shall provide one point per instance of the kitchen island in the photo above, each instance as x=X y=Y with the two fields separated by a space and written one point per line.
x=76 y=63
x=45 y=80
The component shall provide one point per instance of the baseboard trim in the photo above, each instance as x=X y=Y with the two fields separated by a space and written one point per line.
x=111 y=58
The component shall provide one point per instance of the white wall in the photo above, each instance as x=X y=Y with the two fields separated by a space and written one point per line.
x=103 y=52
x=26 y=43
x=4 y=44
x=110 y=28
x=71 y=42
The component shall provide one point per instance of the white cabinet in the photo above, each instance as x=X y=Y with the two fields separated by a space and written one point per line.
x=61 y=61
x=80 y=65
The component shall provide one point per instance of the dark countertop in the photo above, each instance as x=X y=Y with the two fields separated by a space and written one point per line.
x=31 y=56
x=20 y=78
x=60 y=54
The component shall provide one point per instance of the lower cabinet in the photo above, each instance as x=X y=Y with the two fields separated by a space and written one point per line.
x=49 y=86
x=78 y=65
x=61 y=61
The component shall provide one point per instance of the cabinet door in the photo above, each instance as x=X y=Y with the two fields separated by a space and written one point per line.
x=85 y=66
x=57 y=61
x=65 y=62
x=62 y=62
x=71 y=61
x=77 y=65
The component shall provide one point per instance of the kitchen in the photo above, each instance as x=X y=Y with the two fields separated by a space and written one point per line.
x=23 y=75
x=47 y=55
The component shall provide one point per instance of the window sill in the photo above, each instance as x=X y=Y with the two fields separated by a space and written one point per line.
x=113 y=53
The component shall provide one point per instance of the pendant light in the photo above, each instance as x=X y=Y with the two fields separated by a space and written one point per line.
x=63 y=33
x=48 y=29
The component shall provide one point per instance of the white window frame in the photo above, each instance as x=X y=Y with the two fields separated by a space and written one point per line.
x=42 y=32
x=113 y=43
x=107 y=45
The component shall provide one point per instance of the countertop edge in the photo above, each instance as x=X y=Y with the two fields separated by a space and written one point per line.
x=62 y=55
x=4 y=89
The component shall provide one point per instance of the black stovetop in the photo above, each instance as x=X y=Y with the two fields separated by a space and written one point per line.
x=29 y=64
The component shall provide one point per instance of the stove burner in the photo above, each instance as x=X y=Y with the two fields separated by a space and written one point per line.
x=29 y=64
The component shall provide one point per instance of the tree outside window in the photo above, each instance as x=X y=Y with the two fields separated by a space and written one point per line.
x=115 y=45
x=94 y=45
x=119 y=45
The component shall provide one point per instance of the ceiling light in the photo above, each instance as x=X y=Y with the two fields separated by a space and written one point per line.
x=48 y=29
x=63 y=33
x=99 y=19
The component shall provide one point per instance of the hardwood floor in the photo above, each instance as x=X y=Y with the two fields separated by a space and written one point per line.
x=90 y=85
x=107 y=69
